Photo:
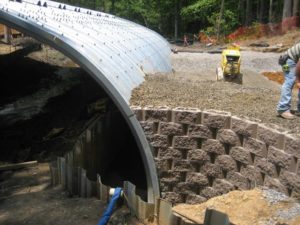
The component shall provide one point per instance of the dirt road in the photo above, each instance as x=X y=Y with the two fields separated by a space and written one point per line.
x=193 y=85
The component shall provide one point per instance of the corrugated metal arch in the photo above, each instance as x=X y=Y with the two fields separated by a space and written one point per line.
x=115 y=52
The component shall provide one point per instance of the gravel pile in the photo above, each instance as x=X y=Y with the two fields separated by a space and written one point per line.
x=274 y=197
x=193 y=85
x=289 y=213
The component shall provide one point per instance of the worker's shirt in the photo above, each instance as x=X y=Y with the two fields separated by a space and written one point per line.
x=294 y=52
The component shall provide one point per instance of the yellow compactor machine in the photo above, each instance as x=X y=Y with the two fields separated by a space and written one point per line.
x=230 y=65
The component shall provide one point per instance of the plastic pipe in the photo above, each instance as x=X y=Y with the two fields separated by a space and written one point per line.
x=107 y=214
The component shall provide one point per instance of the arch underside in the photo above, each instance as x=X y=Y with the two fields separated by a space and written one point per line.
x=115 y=52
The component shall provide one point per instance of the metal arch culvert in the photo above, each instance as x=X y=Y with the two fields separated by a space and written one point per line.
x=117 y=53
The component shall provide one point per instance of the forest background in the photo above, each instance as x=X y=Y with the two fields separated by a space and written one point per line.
x=224 y=19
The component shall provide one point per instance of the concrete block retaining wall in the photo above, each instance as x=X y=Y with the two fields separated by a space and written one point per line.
x=202 y=154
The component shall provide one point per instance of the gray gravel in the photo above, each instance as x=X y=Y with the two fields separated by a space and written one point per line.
x=194 y=85
x=290 y=213
x=274 y=197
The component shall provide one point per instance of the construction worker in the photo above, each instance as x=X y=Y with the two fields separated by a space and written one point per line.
x=185 y=40
x=291 y=67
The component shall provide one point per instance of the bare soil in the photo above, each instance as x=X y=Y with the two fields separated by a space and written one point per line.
x=245 y=208
x=194 y=85
x=44 y=105
x=26 y=197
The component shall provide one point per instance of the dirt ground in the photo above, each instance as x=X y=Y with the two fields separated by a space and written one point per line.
x=43 y=109
x=194 y=85
x=27 y=198
x=259 y=207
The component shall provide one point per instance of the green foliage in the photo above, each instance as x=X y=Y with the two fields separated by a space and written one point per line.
x=227 y=24
x=192 y=15
x=199 y=10
x=140 y=11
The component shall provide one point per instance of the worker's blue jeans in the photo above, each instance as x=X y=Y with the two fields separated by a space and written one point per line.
x=286 y=89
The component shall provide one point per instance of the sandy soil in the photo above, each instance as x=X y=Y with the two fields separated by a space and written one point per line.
x=246 y=208
x=26 y=197
x=194 y=85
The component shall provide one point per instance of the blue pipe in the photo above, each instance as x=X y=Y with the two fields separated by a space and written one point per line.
x=107 y=214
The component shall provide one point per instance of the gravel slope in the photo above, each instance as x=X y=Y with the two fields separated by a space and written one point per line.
x=193 y=85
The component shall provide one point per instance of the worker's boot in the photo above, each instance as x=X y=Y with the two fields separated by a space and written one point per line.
x=287 y=115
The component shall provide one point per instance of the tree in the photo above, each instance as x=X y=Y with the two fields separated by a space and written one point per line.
x=220 y=19
x=248 y=12
x=287 y=9
x=271 y=11
x=296 y=8
x=176 y=15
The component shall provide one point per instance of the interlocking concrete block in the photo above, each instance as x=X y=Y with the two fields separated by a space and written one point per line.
x=211 y=170
x=296 y=195
x=213 y=146
x=227 y=136
x=169 y=153
x=281 y=159
x=238 y=180
x=162 y=165
x=198 y=156
x=160 y=114
x=253 y=174
x=222 y=186
x=172 y=197
x=198 y=179
x=159 y=141
x=241 y=154
x=148 y=127
x=216 y=119
x=265 y=167
x=226 y=162
x=184 y=142
x=186 y=188
x=173 y=129
x=290 y=180
x=256 y=147
x=193 y=199
x=208 y=192
x=200 y=131
x=139 y=112
x=165 y=186
x=292 y=145
x=171 y=175
x=186 y=116
x=275 y=184
x=182 y=165
x=270 y=136
x=244 y=127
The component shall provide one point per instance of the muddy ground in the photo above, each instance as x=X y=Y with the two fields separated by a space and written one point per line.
x=194 y=85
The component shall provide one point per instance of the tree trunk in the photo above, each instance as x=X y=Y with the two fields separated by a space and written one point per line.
x=296 y=8
x=176 y=15
x=271 y=12
x=220 y=19
x=287 y=9
x=261 y=11
x=242 y=11
x=248 y=12
x=112 y=6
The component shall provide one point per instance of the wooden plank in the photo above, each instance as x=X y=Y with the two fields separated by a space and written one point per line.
x=16 y=166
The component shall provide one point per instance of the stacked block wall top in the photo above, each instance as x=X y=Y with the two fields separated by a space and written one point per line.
x=202 y=154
